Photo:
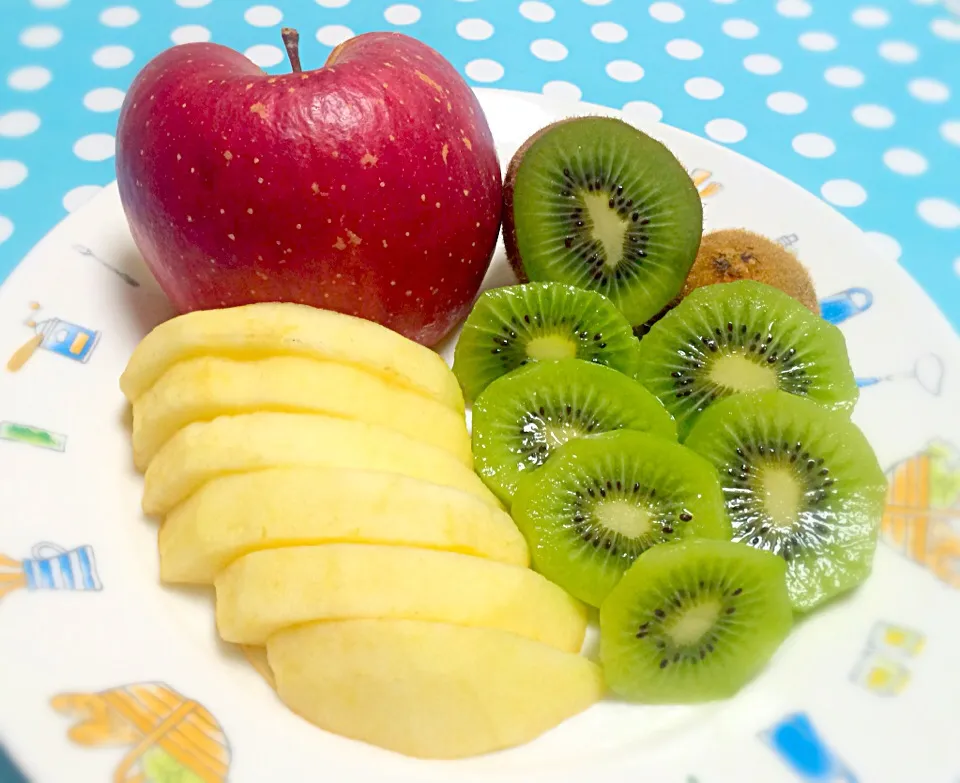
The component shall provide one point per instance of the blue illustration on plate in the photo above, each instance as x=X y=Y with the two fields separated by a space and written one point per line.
x=86 y=251
x=32 y=436
x=788 y=241
x=927 y=371
x=882 y=668
x=844 y=305
x=799 y=746
x=56 y=336
x=51 y=567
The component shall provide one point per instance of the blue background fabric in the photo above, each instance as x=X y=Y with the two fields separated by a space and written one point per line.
x=858 y=102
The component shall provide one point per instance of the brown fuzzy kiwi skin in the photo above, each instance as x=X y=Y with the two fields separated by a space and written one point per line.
x=728 y=255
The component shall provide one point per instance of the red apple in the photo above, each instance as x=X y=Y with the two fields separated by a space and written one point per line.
x=369 y=186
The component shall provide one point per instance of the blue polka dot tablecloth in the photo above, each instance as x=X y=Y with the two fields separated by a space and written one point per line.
x=859 y=102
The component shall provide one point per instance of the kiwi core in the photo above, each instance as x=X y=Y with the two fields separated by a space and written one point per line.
x=691 y=626
x=782 y=495
x=608 y=227
x=624 y=518
x=736 y=372
x=551 y=348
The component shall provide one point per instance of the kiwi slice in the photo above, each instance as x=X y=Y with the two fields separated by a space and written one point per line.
x=601 y=502
x=514 y=326
x=800 y=481
x=520 y=419
x=739 y=337
x=596 y=203
x=693 y=621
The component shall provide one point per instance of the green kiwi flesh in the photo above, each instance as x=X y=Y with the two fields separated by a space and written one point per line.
x=598 y=204
x=731 y=338
x=600 y=502
x=799 y=481
x=520 y=419
x=693 y=621
x=517 y=325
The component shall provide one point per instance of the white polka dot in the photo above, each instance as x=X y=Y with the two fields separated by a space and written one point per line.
x=104 y=99
x=928 y=90
x=334 y=34
x=818 y=42
x=904 y=161
x=786 y=102
x=939 y=213
x=762 y=64
x=537 y=12
x=484 y=70
x=684 y=49
x=724 y=2
x=870 y=16
x=814 y=145
x=119 y=16
x=562 y=91
x=30 y=77
x=12 y=173
x=548 y=49
x=641 y=112
x=956 y=261
x=264 y=55
x=609 y=32
x=871 y=115
x=332 y=3
x=76 y=198
x=740 y=28
x=624 y=71
x=96 y=146
x=883 y=245
x=6 y=229
x=950 y=130
x=898 y=52
x=843 y=192
x=49 y=3
x=703 y=87
x=41 y=36
x=113 y=56
x=474 y=29
x=402 y=13
x=666 y=12
x=18 y=123
x=263 y=16
x=190 y=33
x=844 y=76
x=947 y=29
x=193 y=3
x=794 y=9
x=726 y=130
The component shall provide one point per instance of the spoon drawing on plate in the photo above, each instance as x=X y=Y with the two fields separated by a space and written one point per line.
x=86 y=251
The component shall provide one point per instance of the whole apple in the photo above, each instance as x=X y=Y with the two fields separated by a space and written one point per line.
x=370 y=186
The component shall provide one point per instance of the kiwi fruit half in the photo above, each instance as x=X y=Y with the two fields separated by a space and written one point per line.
x=693 y=621
x=799 y=481
x=733 y=254
x=596 y=203
x=519 y=420
x=740 y=337
x=600 y=502
x=517 y=325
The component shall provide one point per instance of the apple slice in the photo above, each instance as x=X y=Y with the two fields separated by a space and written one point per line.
x=263 y=592
x=429 y=690
x=202 y=389
x=246 y=512
x=254 y=441
x=269 y=329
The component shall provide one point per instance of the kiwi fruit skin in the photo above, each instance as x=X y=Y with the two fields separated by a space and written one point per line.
x=688 y=208
x=829 y=543
x=804 y=354
x=522 y=418
x=741 y=590
x=491 y=341
x=732 y=254
x=556 y=507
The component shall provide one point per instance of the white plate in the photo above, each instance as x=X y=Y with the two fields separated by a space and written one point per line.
x=865 y=690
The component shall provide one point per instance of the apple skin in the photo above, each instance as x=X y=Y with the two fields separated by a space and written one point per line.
x=370 y=186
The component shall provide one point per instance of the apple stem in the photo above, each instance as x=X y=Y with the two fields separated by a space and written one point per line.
x=291 y=40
